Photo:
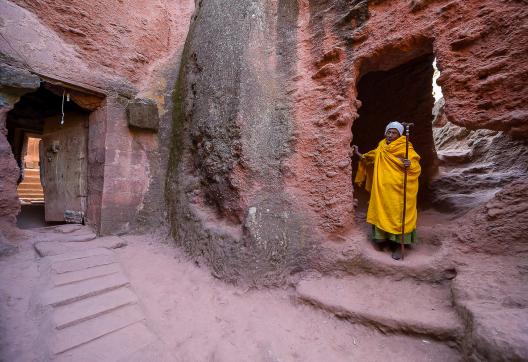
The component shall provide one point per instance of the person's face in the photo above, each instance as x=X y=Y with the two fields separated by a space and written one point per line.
x=392 y=134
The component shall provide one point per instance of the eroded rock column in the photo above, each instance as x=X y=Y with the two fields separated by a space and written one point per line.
x=233 y=130
x=14 y=82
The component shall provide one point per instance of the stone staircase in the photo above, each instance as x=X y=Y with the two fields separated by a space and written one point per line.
x=30 y=189
x=409 y=298
x=405 y=307
x=94 y=314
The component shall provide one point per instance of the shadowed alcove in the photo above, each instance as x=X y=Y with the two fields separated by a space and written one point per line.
x=42 y=147
x=405 y=94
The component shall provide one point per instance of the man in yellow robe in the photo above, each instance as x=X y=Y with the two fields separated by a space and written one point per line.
x=382 y=172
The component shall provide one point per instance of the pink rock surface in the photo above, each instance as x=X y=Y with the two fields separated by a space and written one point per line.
x=117 y=37
x=261 y=174
x=9 y=202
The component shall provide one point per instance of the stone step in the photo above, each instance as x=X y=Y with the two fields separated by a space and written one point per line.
x=74 y=238
x=39 y=200
x=31 y=171
x=31 y=177
x=30 y=187
x=48 y=248
x=393 y=306
x=83 y=310
x=111 y=347
x=66 y=266
x=64 y=229
x=52 y=231
x=31 y=181
x=425 y=262
x=79 y=334
x=29 y=201
x=79 y=254
x=86 y=274
x=73 y=292
x=30 y=195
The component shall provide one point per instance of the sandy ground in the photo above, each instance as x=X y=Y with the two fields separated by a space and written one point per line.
x=200 y=318
x=31 y=216
x=19 y=276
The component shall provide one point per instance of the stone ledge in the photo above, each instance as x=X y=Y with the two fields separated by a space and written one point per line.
x=17 y=79
x=401 y=307
x=143 y=114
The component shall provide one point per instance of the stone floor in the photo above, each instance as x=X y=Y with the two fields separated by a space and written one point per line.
x=66 y=295
x=389 y=305
x=93 y=311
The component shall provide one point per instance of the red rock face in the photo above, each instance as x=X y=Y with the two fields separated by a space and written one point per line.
x=480 y=46
x=270 y=97
x=9 y=202
x=116 y=36
x=482 y=81
x=499 y=226
x=14 y=83
x=124 y=50
x=266 y=121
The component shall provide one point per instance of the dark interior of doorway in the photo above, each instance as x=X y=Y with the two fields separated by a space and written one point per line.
x=405 y=94
x=27 y=119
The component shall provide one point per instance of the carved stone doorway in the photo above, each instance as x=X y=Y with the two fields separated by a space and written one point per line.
x=55 y=171
x=404 y=93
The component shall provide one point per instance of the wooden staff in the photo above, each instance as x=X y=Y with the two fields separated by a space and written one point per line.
x=406 y=125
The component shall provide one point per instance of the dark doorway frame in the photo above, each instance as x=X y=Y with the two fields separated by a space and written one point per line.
x=404 y=93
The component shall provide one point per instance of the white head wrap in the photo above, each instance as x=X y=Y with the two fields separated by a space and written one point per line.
x=395 y=125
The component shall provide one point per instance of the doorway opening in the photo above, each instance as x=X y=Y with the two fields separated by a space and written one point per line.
x=48 y=136
x=404 y=93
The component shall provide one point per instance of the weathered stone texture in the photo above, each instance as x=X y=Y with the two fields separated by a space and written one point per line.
x=267 y=97
x=119 y=50
x=126 y=169
x=14 y=82
x=125 y=38
x=498 y=227
x=17 y=80
x=143 y=113
x=227 y=194
x=9 y=202
x=475 y=164
x=266 y=101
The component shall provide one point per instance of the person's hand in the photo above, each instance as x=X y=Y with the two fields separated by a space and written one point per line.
x=355 y=150
x=406 y=163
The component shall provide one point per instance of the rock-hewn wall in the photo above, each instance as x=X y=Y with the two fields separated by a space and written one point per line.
x=228 y=196
x=260 y=169
x=474 y=165
x=126 y=50
x=14 y=82
x=267 y=97
x=115 y=36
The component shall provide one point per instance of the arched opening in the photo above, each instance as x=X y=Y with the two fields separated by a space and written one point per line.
x=48 y=136
x=403 y=93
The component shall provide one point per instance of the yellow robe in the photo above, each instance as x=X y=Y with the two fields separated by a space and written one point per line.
x=381 y=171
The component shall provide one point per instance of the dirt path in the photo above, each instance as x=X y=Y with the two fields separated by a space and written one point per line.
x=19 y=276
x=68 y=296
x=200 y=318
x=65 y=298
